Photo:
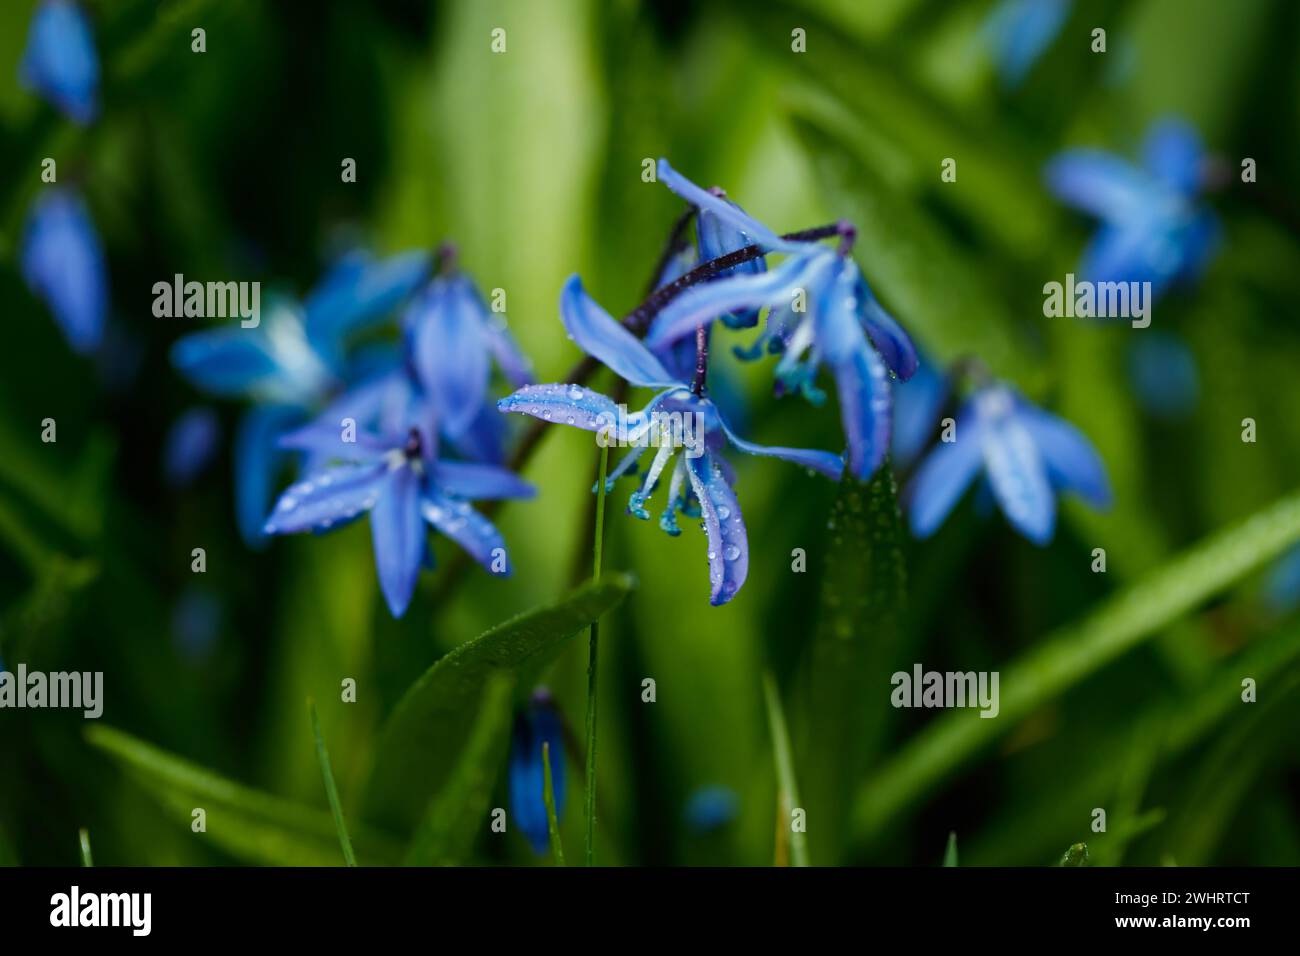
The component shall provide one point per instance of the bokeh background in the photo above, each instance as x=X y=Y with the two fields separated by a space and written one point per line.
x=226 y=165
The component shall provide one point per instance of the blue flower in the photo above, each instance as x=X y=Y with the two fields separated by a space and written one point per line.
x=1153 y=228
x=1162 y=370
x=60 y=62
x=1027 y=456
x=710 y=808
x=356 y=290
x=452 y=338
x=63 y=264
x=538 y=724
x=190 y=445
x=717 y=237
x=675 y=418
x=821 y=312
x=917 y=405
x=402 y=486
x=1020 y=31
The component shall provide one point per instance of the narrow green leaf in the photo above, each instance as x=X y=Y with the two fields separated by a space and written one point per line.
x=1063 y=659
x=787 y=788
x=247 y=823
x=423 y=739
x=548 y=797
x=852 y=650
x=84 y=836
x=950 y=854
x=331 y=790
x=450 y=826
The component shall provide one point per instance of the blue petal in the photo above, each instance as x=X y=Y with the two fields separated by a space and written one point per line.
x=449 y=350
x=331 y=497
x=564 y=405
x=727 y=212
x=473 y=532
x=1016 y=471
x=1020 y=31
x=866 y=409
x=893 y=344
x=63 y=264
x=1147 y=251
x=527 y=774
x=474 y=481
x=710 y=808
x=1100 y=183
x=398 y=535
x=718 y=238
x=357 y=289
x=725 y=527
x=484 y=440
x=229 y=362
x=917 y=404
x=945 y=475
x=60 y=61
x=514 y=365
x=257 y=461
x=1164 y=375
x=190 y=445
x=824 y=462
x=1174 y=153
x=703 y=303
x=323 y=438
x=1072 y=463
x=601 y=336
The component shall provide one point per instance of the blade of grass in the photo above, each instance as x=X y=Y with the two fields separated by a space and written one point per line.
x=548 y=795
x=950 y=854
x=331 y=790
x=84 y=836
x=787 y=788
x=1074 y=652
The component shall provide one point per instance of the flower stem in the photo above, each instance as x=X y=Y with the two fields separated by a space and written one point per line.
x=701 y=360
x=591 y=661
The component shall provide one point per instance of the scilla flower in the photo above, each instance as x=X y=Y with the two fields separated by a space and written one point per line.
x=60 y=61
x=357 y=289
x=1027 y=456
x=63 y=264
x=538 y=724
x=402 y=486
x=822 y=313
x=1153 y=226
x=700 y=477
x=1020 y=31
x=453 y=338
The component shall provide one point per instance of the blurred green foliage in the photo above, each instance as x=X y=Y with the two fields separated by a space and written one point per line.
x=1121 y=690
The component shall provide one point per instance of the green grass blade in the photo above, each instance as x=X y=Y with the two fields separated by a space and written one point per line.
x=84 y=837
x=1063 y=659
x=331 y=790
x=247 y=823
x=423 y=739
x=592 y=647
x=1076 y=855
x=950 y=853
x=452 y=822
x=548 y=796
x=787 y=788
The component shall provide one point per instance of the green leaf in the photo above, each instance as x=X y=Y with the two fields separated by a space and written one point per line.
x=548 y=798
x=247 y=823
x=1076 y=855
x=331 y=791
x=446 y=835
x=787 y=786
x=83 y=836
x=950 y=854
x=862 y=594
x=1063 y=659
x=423 y=739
